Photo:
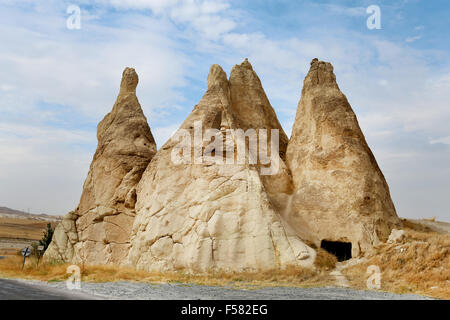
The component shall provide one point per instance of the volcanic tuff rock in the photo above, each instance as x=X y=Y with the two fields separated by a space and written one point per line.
x=209 y=216
x=98 y=231
x=340 y=192
x=177 y=209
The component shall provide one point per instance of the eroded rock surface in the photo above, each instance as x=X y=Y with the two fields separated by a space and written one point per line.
x=191 y=206
x=340 y=192
x=98 y=231
x=203 y=217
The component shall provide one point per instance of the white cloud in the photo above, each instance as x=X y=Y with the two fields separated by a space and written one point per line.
x=42 y=168
x=205 y=17
x=344 y=10
x=445 y=140
x=57 y=65
x=413 y=39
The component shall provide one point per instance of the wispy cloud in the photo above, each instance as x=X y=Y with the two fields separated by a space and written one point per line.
x=412 y=39
x=445 y=140
x=344 y=10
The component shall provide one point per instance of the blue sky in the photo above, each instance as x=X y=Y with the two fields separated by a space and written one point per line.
x=56 y=84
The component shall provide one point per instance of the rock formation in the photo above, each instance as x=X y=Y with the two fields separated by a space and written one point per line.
x=211 y=216
x=340 y=192
x=201 y=204
x=98 y=231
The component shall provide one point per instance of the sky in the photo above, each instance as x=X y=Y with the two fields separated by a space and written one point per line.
x=57 y=83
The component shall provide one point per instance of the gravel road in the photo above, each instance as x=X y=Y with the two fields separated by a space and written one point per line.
x=31 y=289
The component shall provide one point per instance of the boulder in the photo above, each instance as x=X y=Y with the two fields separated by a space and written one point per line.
x=397 y=236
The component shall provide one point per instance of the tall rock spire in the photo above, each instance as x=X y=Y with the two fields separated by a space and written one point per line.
x=340 y=192
x=98 y=231
x=250 y=101
x=250 y=105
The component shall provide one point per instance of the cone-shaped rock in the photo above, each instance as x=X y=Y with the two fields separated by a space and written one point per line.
x=98 y=231
x=252 y=110
x=196 y=213
x=250 y=102
x=340 y=192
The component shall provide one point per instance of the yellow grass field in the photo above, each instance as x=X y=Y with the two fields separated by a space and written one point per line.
x=16 y=233
x=419 y=264
x=22 y=228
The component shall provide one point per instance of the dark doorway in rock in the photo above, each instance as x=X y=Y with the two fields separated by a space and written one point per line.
x=342 y=250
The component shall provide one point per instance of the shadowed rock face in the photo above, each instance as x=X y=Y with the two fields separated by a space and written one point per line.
x=340 y=192
x=98 y=231
x=203 y=217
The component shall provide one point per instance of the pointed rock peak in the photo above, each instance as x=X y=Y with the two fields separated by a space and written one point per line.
x=315 y=60
x=129 y=82
x=244 y=68
x=246 y=64
x=216 y=76
x=320 y=73
x=335 y=174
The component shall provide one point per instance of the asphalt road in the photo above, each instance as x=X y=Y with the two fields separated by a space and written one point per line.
x=37 y=290
x=20 y=290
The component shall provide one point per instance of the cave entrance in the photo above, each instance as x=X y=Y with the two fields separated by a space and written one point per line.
x=342 y=250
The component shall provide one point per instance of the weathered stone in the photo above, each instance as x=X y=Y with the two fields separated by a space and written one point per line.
x=190 y=206
x=340 y=192
x=202 y=217
x=99 y=229
x=397 y=236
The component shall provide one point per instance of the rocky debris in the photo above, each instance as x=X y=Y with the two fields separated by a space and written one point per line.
x=340 y=192
x=397 y=236
x=217 y=216
x=98 y=231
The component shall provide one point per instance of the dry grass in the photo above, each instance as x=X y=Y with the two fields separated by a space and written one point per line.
x=420 y=264
x=16 y=233
x=291 y=276
x=325 y=260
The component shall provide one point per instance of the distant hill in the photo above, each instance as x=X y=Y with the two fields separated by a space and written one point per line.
x=12 y=213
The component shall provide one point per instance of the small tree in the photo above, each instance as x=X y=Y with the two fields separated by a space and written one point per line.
x=47 y=238
x=34 y=251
